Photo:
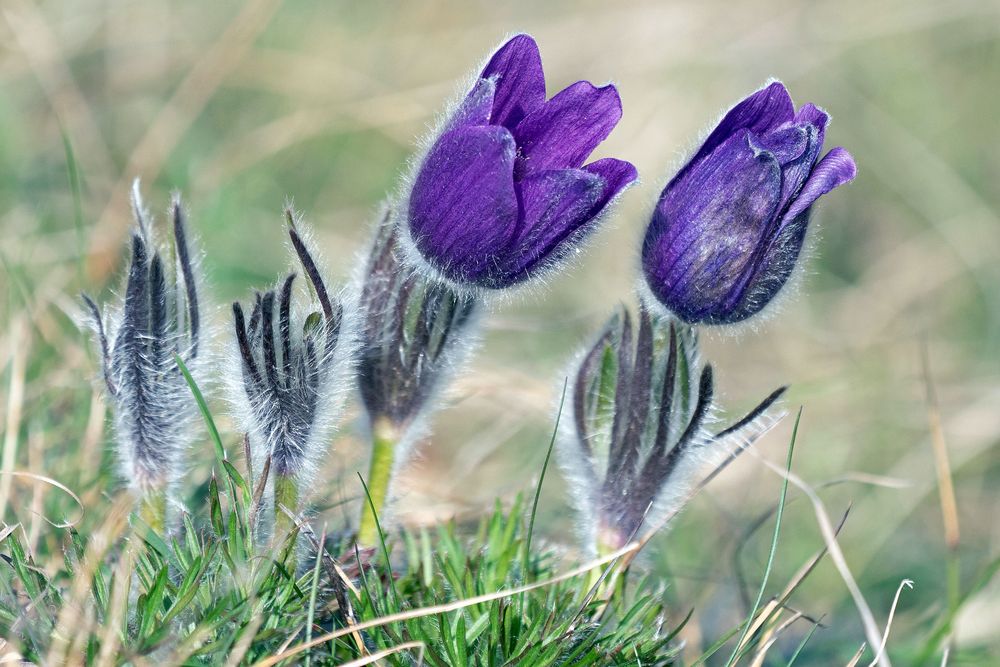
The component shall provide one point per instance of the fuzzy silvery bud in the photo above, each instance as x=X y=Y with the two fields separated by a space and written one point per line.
x=292 y=376
x=412 y=328
x=416 y=331
x=503 y=192
x=728 y=228
x=159 y=318
x=642 y=407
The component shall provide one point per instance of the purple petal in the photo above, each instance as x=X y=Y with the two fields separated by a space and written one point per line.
x=475 y=108
x=567 y=128
x=561 y=206
x=795 y=148
x=786 y=143
x=698 y=252
x=617 y=175
x=516 y=68
x=555 y=205
x=772 y=268
x=815 y=116
x=836 y=168
x=463 y=207
x=764 y=110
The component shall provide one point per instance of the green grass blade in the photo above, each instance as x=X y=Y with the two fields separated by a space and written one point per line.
x=541 y=480
x=73 y=174
x=802 y=645
x=220 y=451
x=774 y=545
x=385 y=549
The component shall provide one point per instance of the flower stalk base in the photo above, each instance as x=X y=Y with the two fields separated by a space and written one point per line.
x=385 y=437
x=153 y=510
x=286 y=495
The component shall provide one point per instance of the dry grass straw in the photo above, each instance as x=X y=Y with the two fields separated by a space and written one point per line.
x=374 y=657
x=871 y=629
x=18 y=342
x=946 y=489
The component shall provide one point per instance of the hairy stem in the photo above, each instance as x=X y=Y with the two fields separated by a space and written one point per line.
x=385 y=437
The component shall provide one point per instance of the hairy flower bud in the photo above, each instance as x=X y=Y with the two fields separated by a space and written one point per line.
x=503 y=191
x=642 y=403
x=416 y=331
x=412 y=328
x=291 y=378
x=728 y=228
x=159 y=318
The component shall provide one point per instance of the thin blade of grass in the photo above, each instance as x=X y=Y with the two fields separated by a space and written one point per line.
x=381 y=538
x=312 y=591
x=369 y=659
x=526 y=557
x=774 y=544
x=15 y=404
x=213 y=432
x=802 y=644
x=771 y=636
x=73 y=175
x=905 y=583
x=857 y=656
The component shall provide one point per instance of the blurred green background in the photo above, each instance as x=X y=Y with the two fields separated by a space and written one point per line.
x=240 y=106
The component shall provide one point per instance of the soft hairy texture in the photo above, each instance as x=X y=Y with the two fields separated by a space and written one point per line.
x=138 y=340
x=415 y=332
x=728 y=228
x=503 y=192
x=642 y=405
x=292 y=369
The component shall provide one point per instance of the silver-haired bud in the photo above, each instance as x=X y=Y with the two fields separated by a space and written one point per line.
x=416 y=331
x=292 y=376
x=138 y=340
x=642 y=406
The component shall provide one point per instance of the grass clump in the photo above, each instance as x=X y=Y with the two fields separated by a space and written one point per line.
x=212 y=593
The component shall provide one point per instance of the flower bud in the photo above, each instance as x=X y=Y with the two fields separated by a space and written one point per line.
x=413 y=330
x=416 y=332
x=728 y=228
x=642 y=404
x=153 y=407
x=291 y=378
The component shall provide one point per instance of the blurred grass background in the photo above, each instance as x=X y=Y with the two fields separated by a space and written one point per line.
x=242 y=105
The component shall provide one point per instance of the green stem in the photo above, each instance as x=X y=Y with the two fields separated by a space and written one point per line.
x=608 y=542
x=285 y=493
x=153 y=510
x=384 y=440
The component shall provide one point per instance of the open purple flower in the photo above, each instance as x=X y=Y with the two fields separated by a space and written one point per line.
x=503 y=191
x=728 y=228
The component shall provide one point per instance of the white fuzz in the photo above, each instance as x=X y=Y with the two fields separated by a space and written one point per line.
x=289 y=383
x=158 y=317
x=639 y=429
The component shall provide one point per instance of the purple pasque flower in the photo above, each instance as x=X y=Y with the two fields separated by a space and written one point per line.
x=503 y=191
x=728 y=228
